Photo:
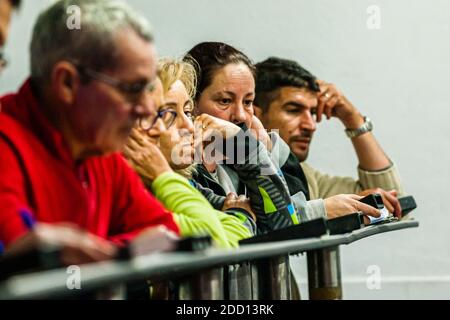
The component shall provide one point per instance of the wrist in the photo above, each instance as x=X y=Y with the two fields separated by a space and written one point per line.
x=366 y=127
x=354 y=121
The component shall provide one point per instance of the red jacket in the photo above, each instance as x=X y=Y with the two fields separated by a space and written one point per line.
x=40 y=181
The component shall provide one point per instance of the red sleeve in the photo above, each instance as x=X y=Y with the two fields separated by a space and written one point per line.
x=13 y=200
x=137 y=209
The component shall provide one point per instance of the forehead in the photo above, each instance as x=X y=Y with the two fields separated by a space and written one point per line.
x=301 y=96
x=136 y=56
x=233 y=77
x=176 y=91
x=157 y=94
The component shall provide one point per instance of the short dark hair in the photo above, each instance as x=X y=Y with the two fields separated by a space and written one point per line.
x=15 y=3
x=274 y=73
x=208 y=57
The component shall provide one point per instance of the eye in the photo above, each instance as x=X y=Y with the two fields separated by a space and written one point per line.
x=248 y=103
x=135 y=88
x=225 y=101
x=189 y=114
x=293 y=111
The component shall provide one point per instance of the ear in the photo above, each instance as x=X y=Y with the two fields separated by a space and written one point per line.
x=65 y=82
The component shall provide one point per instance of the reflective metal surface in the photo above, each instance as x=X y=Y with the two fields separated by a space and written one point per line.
x=324 y=274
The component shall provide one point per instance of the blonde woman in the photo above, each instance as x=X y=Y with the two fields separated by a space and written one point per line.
x=166 y=147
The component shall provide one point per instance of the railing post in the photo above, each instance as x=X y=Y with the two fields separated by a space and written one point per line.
x=242 y=281
x=274 y=278
x=324 y=274
x=203 y=285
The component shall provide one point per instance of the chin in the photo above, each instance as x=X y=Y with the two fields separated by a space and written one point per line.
x=302 y=154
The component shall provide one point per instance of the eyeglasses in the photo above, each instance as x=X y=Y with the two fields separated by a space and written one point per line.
x=134 y=90
x=166 y=115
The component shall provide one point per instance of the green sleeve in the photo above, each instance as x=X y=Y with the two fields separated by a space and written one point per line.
x=234 y=228
x=193 y=213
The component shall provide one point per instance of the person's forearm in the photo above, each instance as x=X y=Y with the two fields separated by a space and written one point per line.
x=267 y=189
x=193 y=213
x=370 y=154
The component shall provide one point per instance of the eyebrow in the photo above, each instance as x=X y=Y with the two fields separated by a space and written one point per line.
x=171 y=104
x=233 y=94
x=297 y=105
x=188 y=102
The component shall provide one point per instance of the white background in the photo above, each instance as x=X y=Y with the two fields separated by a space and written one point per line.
x=398 y=75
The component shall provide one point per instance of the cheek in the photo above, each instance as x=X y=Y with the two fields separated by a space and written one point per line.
x=168 y=141
x=249 y=115
x=287 y=126
x=211 y=108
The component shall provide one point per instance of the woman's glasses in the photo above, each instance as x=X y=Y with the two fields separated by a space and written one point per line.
x=166 y=115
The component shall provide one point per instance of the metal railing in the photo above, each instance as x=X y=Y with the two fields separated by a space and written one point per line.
x=255 y=271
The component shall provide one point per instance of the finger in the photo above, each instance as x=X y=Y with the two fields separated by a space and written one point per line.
x=395 y=204
x=128 y=153
x=394 y=193
x=366 y=209
x=355 y=197
x=133 y=145
x=138 y=137
x=387 y=203
x=366 y=220
x=330 y=106
x=320 y=108
x=232 y=196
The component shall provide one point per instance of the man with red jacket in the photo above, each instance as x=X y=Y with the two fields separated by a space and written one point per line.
x=60 y=174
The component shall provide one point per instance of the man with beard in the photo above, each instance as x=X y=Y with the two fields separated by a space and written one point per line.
x=290 y=99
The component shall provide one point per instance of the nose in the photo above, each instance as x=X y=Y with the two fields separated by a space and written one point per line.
x=238 y=114
x=145 y=105
x=187 y=124
x=307 y=122
x=157 y=129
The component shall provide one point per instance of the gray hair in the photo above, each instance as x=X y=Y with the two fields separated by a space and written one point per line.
x=93 y=44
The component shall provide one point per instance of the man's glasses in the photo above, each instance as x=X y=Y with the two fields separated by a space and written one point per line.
x=166 y=115
x=134 y=90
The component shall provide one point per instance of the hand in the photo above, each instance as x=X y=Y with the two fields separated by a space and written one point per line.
x=258 y=130
x=344 y=204
x=153 y=239
x=389 y=199
x=145 y=157
x=209 y=126
x=77 y=245
x=333 y=103
x=234 y=201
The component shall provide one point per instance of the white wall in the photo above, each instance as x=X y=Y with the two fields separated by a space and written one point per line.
x=397 y=75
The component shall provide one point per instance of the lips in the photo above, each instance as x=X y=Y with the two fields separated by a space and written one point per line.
x=302 y=143
x=304 y=140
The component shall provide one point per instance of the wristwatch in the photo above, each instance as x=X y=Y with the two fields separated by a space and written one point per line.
x=366 y=127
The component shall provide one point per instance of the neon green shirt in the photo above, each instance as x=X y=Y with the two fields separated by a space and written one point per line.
x=194 y=214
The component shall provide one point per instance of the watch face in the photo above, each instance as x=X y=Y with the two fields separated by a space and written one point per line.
x=366 y=127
